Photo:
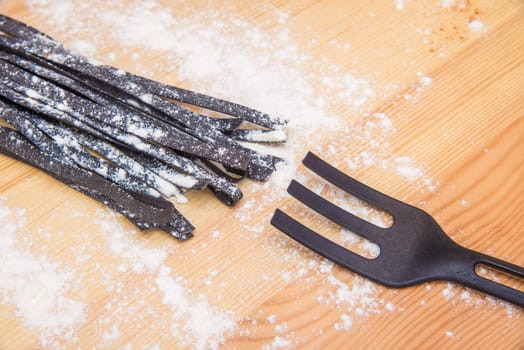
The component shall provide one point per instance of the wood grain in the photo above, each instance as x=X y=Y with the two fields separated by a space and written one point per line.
x=466 y=128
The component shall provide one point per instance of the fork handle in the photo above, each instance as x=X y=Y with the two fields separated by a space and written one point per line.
x=465 y=274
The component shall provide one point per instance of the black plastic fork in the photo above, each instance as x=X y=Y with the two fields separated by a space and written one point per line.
x=413 y=250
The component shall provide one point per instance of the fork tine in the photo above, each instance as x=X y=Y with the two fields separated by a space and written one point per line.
x=334 y=213
x=323 y=246
x=352 y=186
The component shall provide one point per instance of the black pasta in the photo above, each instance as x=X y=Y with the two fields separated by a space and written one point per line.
x=122 y=139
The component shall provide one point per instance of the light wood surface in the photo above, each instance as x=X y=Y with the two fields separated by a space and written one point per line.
x=466 y=128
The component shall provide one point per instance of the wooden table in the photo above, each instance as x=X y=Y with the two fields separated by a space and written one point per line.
x=454 y=92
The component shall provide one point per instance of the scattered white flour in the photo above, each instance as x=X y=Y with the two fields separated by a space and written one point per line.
x=353 y=90
x=399 y=5
x=447 y=3
x=465 y=295
x=85 y=47
x=60 y=10
x=349 y=237
x=372 y=249
x=122 y=243
x=271 y=318
x=111 y=335
x=278 y=343
x=425 y=80
x=448 y=292
x=345 y=323
x=35 y=286
x=404 y=167
x=358 y=297
x=476 y=25
x=456 y=293
x=281 y=328
x=390 y=307
x=376 y=130
x=203 y=326
x=191 y=319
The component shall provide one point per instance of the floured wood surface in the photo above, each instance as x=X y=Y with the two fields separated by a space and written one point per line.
x=423 y=101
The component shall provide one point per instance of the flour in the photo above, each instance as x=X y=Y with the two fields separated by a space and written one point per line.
x=425 y=80
x=404 y=168
x=447 y=3
x=399 y=5
x=476 y=25
x=359 y=297
x=190 y=318
x=271 y=318
x=278 y=343
x=376 y=131
x=120 y=242
x=36 y=287
x=458 y=294
x=111 y=335
x=345 y=324
x=203 y=326
x=84 y=47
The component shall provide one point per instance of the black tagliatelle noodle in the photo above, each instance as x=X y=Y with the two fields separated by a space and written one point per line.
x=124 y=140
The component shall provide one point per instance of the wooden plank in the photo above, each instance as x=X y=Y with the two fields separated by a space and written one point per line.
x=464 y=131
